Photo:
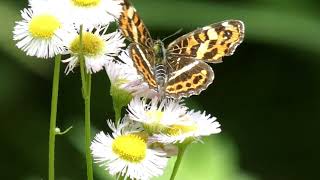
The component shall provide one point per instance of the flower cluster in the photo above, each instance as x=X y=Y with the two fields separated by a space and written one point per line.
x=70 y=27
x=154 y=127
x=148 y=135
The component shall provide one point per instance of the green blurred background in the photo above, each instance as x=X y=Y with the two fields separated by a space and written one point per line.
x=266 y=96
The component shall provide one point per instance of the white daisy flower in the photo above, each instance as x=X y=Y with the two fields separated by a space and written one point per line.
x=192 y=127
x=126 y=153
x=98 y=48
x=156 y=115
x=91 y=12
x=123 y=75
x=170 y=121
x=41 y=30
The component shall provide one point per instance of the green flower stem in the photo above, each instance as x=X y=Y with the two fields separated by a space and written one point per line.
x=86 y=93
x=182 y=149
x=88 y=128
x=117 y=111
x=82 y=65
x=53 y=116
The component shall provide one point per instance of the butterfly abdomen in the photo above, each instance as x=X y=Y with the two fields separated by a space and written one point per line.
x=160 y=74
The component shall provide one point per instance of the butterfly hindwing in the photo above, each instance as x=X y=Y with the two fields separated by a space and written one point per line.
x=187 y=77
x=209 y=43
x=133 y=27
x=142 y=60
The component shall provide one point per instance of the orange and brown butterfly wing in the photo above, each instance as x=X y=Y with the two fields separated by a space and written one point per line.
x=141 y=59
x=133 y=27
x=209 y=43
x=187 y=77
x=141 y=48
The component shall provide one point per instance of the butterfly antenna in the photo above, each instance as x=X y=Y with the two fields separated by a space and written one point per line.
x=177 y=32
x=114 y=16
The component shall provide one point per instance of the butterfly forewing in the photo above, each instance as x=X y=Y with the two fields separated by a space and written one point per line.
x=133 y=27
x=141 y=57
x=187 y=77
x=209 y=43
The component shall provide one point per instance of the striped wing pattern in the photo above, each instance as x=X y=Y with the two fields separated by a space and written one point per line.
x=141 y=57
x=133 y=27
x=140 y=49
x=186 y=58
x=209 y=43
x=187 y=77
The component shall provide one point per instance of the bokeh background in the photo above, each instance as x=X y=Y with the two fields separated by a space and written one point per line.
x=266 y=96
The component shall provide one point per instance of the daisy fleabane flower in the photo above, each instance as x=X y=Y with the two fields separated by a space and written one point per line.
x=126 y=153
x=91 y=12
x=170 y=121
x=123 y=75
x=191 y=127
x=156 y=115
x=98 y=48
x=41 y=30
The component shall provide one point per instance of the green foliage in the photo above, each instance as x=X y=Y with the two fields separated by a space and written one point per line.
x=266 y=96
x=215 y=159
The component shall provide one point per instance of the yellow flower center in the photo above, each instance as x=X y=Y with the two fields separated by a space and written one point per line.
x=153 y=124
x=43 y=26
x=118 y=82
x=143 y=135
x=91 y=44
x=155 y=116
x=130 y=147
x=86 y=3
x=176 y=130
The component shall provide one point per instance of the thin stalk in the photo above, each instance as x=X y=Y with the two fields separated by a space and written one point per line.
x=86 y=93
x=182 y=149
x=88 y=128
x=53 y=115
x=117 y=102
x=117 y=111
x=82 y=64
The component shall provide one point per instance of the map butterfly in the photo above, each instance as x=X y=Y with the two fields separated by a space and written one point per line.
x=181 y=69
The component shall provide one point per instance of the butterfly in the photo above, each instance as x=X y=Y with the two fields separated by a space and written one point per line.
x=181 y=69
